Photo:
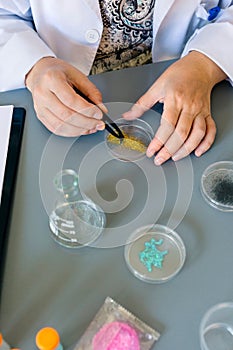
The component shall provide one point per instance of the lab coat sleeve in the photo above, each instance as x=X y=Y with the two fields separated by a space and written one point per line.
x=20 y=45
x=215 y=41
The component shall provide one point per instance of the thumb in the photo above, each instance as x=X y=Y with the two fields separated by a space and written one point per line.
x=145 y=102
x=136 y=111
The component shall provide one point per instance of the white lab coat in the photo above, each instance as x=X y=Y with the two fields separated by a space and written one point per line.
x=71 y=30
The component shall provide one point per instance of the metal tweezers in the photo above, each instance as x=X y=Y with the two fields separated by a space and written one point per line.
x=110 y=126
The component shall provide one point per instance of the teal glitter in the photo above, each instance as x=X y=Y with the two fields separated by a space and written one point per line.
x=151 y=256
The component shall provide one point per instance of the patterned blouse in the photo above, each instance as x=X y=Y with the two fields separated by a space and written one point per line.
x=127 y=35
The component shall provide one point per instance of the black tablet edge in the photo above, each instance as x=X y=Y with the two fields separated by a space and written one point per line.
x=13 y=154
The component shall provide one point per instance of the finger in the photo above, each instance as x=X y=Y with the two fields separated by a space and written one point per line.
x=63 y=114
x=162 y=156
x=196 y=135
x=92 y=131
x=166 y=129
x=209 y=137
x=69 y=116
x=177 y=139
x=136 y=111
x=144 y=103
x=170 y=148
x=68 y=97
x=174 y=142
x=163 y=133
x=56 y=125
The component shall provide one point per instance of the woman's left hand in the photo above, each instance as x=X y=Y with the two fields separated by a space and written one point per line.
x=186 y=122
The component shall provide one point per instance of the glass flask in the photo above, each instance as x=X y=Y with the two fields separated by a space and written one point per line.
x=75 y=221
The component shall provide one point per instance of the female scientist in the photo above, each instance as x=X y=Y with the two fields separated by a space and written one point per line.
x=52 y=46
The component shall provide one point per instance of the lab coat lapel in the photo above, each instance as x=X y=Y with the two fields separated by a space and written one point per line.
x=161 y=9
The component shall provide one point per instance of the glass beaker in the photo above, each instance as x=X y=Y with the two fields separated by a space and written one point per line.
x=75 y=221
x=216 y=328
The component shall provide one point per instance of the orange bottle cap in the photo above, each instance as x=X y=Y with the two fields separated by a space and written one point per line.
x=47 y=339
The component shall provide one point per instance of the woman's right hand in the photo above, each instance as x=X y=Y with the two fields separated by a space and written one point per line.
x=51 y=82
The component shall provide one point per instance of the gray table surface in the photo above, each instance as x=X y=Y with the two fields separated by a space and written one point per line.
x=46 y=284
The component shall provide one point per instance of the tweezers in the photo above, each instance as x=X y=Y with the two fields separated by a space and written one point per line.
x=110 y=126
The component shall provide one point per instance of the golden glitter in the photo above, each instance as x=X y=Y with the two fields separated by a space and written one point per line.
x=129 y=142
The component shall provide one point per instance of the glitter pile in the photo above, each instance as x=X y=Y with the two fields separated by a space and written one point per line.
x=116 y=336
x=129 y=142
x=222 y=191
x=151 y=256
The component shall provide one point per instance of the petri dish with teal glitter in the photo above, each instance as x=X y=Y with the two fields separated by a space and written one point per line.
x=217 y=185
x=155 y=253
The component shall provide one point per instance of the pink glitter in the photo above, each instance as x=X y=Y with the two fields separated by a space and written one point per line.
x=116 y=336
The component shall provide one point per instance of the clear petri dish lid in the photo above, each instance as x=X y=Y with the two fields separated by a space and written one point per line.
x=217 y=185
x=155 y=253
x=138 y=135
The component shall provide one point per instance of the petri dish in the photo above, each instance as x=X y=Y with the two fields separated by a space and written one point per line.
x=216 y=328
x=217 y=185
x=138 y=135
x=163 y=261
